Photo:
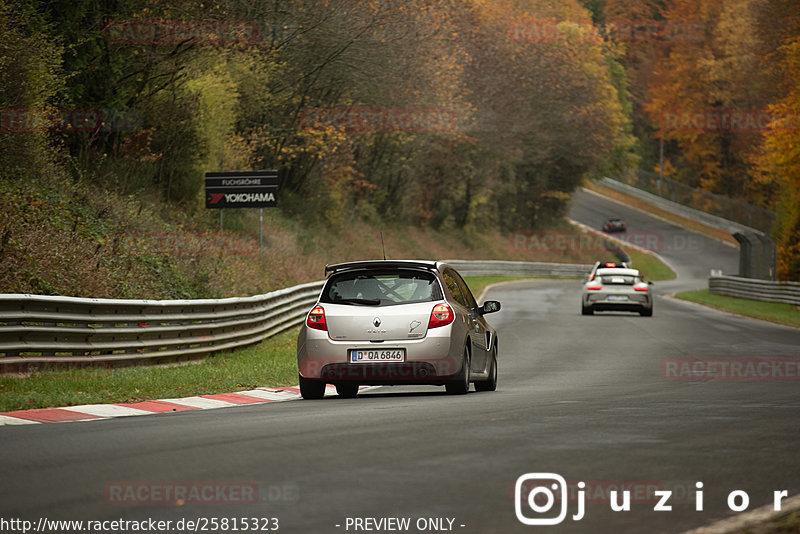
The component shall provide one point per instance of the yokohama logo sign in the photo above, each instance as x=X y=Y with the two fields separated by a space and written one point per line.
x=233 y=198
x=241 y=189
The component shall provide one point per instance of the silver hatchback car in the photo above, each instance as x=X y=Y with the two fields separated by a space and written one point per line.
x=616 y=289
x=396 y=322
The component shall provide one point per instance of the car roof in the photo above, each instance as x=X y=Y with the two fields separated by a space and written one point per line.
x=384 y=264
x=610 y=264
x=609 y=270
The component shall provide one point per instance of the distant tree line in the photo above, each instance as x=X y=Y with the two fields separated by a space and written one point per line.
x=451 y=113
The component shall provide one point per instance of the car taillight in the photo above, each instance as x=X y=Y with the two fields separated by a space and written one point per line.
x=640 y=288
x=442 y=315
x=316 y=319
x=591 y=277
x=594 y=287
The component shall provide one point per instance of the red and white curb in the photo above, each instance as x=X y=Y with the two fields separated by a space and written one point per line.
x=90 y=412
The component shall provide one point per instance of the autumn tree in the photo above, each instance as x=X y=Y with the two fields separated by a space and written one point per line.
x=723 y=65
x=548 y=106
x=778 y=162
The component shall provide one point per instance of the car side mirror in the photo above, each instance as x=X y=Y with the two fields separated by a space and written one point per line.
x=650 y=283
x=490 y=306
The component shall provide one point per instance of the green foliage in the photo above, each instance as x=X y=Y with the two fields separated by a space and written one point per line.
x=30 y=79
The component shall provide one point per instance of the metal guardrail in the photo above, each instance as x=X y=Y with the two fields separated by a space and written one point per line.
x=41 y=332
x=679 y=209
x=519 y=268
x=750 y=288
x=728 y=208
x=45 y=331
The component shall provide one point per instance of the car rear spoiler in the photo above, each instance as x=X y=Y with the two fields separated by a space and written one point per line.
x=382 y=264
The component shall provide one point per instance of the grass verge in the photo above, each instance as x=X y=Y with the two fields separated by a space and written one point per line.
x=650 y=266
x=664 y=214
x=775 y=312
x=479 y=283
x=269 y=363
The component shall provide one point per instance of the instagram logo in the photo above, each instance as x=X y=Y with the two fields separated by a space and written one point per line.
x=540 y=491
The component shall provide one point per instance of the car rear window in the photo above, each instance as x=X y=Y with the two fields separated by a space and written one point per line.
x=619 y=279
x=381 y=288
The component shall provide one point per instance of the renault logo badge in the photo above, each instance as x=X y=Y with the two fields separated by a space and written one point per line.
x=376 y=321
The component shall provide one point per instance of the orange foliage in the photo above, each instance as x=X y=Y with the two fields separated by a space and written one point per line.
x=779 y=163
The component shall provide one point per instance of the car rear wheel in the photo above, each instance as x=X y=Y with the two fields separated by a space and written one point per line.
x=491 y=384
x=347 y=391
x=311 y=389
x=646 y=313
x=587 y=310
x=460 y=386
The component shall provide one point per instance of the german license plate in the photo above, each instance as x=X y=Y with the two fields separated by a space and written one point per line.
x=379 y=355
x=617 y=298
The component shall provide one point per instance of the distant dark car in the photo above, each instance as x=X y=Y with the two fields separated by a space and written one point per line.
x=615 y=224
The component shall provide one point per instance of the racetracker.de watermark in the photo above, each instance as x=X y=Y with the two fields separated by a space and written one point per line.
x=181 y=493
x=728 y=121
x=538 y=241
x=375 y=120
x=181 y=244
x=174 y=32
x=168 y=493
x=731 y=369
x=69 y=120
x=533 y=30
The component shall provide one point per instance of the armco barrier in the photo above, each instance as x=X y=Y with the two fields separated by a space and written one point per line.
x=520 y=268
x=52 y=332
x=749 y=288
x=44 y=331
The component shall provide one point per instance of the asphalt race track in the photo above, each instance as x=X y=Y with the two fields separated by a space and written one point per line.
x=588 y=398
x=692 y=255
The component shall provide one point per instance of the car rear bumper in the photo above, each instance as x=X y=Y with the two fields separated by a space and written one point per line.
x=385 y=373
x=618 y=307
x=431 y=360
x=600 y=302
